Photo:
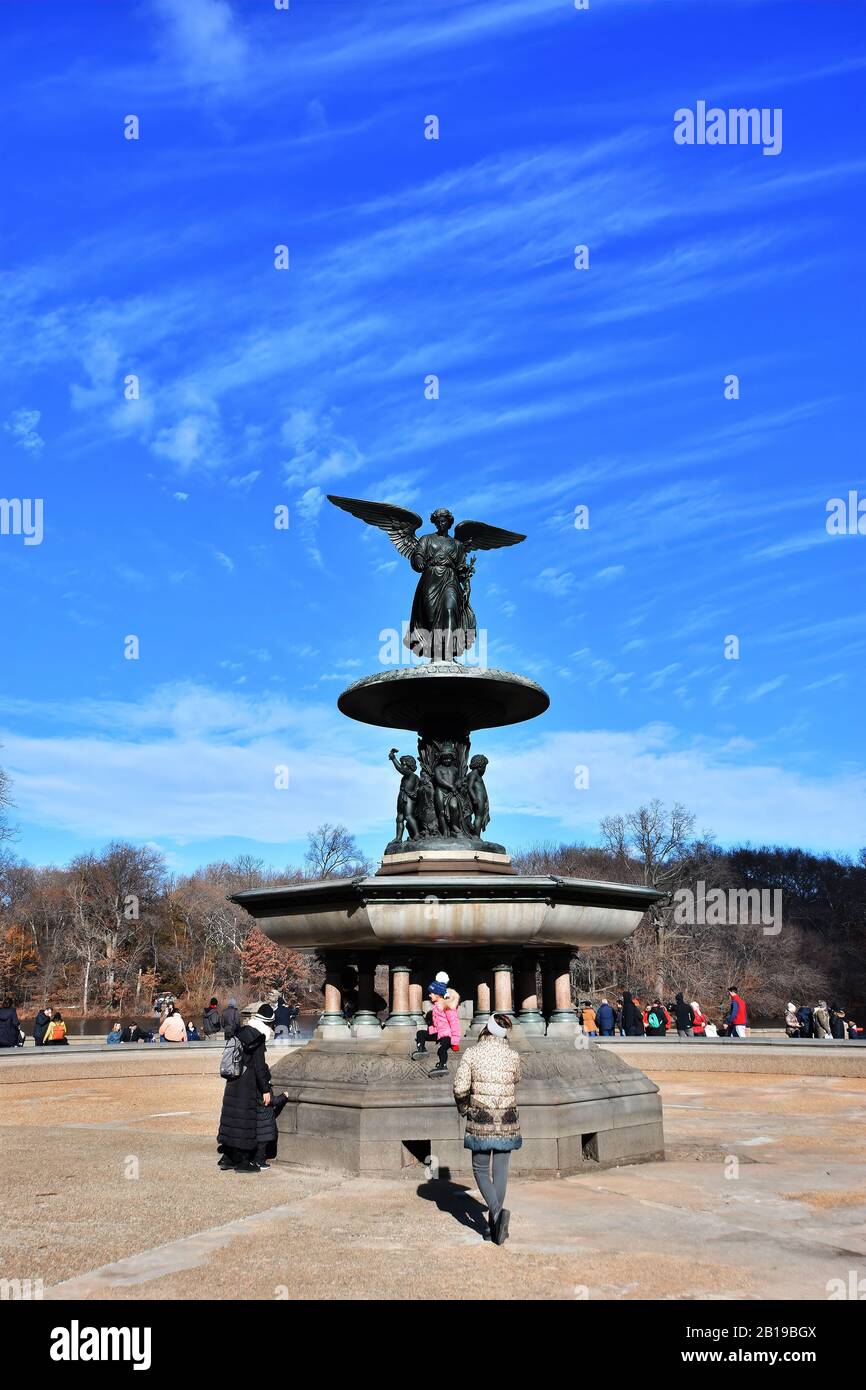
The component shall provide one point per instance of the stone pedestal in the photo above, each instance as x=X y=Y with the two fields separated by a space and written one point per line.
x=362 y=1106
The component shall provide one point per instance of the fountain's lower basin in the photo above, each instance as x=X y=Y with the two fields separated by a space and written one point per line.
x=448 y=909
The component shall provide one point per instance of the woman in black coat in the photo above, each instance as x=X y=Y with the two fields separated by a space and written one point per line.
x=10 y=1028
x=244 y=1097
x=632 y=1019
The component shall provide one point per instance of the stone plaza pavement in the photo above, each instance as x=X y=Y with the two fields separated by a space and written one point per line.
x=109 y=1189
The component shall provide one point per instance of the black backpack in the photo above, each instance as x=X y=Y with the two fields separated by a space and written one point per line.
x=232 y=1060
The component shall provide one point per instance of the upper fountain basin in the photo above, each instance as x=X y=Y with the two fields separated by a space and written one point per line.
x=448 y=909
x=420 y=697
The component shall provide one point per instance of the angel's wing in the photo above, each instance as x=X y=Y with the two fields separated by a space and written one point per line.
x=477 y=535
x=399 y=523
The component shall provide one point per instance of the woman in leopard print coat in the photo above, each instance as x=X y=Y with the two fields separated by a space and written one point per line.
x=484 y=1089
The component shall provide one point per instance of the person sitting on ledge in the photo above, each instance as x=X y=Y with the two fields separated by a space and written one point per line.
x=40 y=1024
x=172 y=1029
x=444 y=1026
x=116 y=1034
x=55 y=1035
x=10 y=1028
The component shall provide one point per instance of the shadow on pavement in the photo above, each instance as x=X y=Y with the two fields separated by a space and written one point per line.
x=453 y=1198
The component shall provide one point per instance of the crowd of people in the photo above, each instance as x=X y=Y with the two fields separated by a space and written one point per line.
x=823 y=1021
x=629 y=1018
x=215 y=1020
x=49 y=1028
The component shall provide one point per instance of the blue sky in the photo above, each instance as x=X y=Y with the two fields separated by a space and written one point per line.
x=558 y=388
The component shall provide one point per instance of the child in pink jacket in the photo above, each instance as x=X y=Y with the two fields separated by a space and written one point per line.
x=444 y=1025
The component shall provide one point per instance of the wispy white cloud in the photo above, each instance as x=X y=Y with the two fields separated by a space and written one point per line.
x=203 y=763
x=22 y=427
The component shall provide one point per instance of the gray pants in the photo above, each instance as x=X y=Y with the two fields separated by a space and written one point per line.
x=685 y=1032
x=493 y=1191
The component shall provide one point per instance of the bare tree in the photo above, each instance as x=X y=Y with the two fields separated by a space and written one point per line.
x=332 y=852
x=661 y=847
x=7 y=831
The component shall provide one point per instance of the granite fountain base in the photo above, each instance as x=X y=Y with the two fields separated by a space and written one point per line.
x=363 y=1106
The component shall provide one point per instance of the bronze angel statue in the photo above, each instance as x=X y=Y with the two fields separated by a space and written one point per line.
x=442 y=625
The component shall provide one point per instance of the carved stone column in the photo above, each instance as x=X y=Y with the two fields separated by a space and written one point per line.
x=503 y=988
x=332 y=1023
x=530 y=1016
x=365 y=1024
x=563 y=1020
x=400 y=1015
x=548 y=984
x=483 y=996
x=416 y=995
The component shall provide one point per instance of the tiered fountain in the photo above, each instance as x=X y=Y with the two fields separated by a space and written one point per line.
x=446 y=898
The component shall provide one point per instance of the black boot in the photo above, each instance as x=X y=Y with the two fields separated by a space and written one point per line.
x=441 y=1069
x=501 y=1226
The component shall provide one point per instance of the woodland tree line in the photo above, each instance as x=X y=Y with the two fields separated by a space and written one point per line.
x=110 y=930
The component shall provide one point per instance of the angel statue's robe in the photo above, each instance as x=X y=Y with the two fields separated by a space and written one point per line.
x=441 y=605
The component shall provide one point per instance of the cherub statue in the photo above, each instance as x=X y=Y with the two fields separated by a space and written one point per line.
x=476 y=793
x=410 y=786
x=445 y=777
x=443 y=623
